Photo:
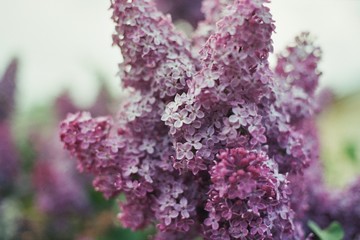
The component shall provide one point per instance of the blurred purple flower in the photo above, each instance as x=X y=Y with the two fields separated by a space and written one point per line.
x=8 y=160
x=346 y=210
x=8 y=153
x=7 y=90
x=64 y=104
x=60 y=192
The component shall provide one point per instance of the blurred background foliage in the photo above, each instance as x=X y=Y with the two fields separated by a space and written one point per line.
x=340 y=140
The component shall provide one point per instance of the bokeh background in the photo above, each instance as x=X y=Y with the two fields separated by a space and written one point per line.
x=67 y=46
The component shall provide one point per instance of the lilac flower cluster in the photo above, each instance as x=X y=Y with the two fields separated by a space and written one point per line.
x=248 y=198
x=211 y=142
x=8 y=154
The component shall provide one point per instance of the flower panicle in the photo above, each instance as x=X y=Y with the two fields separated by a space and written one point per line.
x=209 y=141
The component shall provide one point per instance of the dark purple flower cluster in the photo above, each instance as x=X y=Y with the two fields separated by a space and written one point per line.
x=209 y=143
x=248 y=198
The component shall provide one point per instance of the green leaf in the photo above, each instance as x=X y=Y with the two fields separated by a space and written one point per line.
x=350 y=150
x=333 y=232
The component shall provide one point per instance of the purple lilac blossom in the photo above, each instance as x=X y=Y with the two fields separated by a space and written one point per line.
x=297 y=103
x=213 y=11
x=248 y=198
x=132 y=154
x=227 y=93
x=209 y=142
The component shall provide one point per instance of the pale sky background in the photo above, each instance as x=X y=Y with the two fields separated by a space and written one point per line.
x=67 y=43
